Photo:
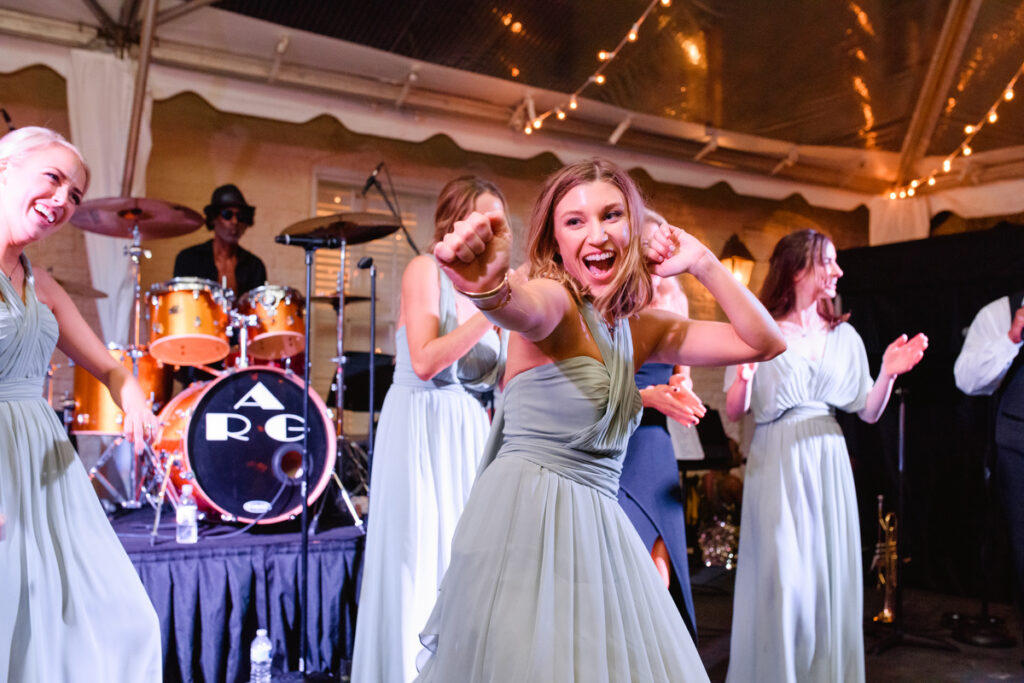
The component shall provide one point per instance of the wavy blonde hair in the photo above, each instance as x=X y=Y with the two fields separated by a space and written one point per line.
x=631 y=289
x=27 y=140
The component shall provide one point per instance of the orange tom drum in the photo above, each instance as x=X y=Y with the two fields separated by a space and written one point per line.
x=95 y=411
x=188 y=318
x=280 y=330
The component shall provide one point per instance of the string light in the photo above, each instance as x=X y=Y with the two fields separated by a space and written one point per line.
x=964 y=149
x=605 y=57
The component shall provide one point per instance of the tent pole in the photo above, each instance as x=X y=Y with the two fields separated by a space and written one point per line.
x=145 y=49
x=955 y=31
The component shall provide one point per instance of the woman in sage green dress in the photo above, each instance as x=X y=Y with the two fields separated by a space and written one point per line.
x=72 y=607
x=432 y=432
x=548 y=580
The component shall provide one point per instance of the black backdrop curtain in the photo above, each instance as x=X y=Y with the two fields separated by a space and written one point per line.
x=935 y=286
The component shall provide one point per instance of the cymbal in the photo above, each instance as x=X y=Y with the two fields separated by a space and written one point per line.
x=117 y=216
x=80 y=289
x=333 y=298
x=353 y=228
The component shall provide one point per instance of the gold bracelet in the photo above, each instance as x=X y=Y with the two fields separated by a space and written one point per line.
x=504 y=297
x=488 y=294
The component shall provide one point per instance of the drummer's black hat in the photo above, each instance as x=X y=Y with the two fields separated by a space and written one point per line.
x=228 y=196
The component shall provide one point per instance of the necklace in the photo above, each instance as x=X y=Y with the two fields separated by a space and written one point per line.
x=10 y=276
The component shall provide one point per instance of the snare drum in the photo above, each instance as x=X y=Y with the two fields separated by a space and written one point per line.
x=95 y=411
x=279 y=331
x=237 y=439
x=188 y=318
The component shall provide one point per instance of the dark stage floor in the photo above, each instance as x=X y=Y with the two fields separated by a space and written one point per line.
x=712 y=593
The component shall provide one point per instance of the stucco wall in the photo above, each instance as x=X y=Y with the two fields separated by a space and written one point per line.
x=196 y=148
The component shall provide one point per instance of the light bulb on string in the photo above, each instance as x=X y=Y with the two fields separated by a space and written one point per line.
x=599 y=79
x=560 y=114
x=914 y=183
x=946 y=165
x=666 y=3
x=537 y=123
x=931 y=181
x=910 y=192
x=572 y=103
x=968 y=151
x=528 y=130
x=903 y=194
x=892 y=195
x=993 y=117
x=968 y=129
x=633 y=33
x=603 y=55
x=1008 y=94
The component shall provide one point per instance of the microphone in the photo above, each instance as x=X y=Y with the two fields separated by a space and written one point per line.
x=309 y=241
x=372 y=179
x=365 y=262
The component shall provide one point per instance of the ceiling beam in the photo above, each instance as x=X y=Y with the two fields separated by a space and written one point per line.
x=110 y=26
x=950 y=47
x=180 y=10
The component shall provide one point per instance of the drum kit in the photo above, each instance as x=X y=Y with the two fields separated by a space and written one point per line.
x=236 y=438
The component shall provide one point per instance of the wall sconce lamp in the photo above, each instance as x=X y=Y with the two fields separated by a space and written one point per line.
x=738 y=260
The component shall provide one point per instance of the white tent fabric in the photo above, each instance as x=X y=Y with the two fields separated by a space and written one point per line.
x=890 y=220
x=100 y=88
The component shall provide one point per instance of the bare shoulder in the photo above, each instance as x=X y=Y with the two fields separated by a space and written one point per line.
x=48 y=290
x=421 y=266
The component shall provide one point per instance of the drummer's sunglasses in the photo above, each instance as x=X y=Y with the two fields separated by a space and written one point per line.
x=243 y=214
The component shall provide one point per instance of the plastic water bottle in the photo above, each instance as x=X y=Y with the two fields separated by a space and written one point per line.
x=187 y=517
x=261 y=652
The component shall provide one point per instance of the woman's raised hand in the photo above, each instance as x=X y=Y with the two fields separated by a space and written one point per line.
x=903 y=354
x=475 y=254
x=673 y=251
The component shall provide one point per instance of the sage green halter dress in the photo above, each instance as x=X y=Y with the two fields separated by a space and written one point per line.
x=548 y=579
x=72 y=607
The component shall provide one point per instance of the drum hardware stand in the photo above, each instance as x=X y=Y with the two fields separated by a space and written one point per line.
x=160 y=499
x=367 y=262
x=339 y=375
x=898 y=635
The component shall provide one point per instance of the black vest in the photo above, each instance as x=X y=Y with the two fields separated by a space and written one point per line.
x=1010 y=414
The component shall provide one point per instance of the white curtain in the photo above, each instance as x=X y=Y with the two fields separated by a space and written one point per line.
x=100 y=91
x=897 y=220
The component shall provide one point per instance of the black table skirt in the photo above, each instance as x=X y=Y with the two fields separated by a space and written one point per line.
x=212 y=596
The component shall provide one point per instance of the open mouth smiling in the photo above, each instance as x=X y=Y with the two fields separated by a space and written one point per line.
x=600 y=264
x=46 y=212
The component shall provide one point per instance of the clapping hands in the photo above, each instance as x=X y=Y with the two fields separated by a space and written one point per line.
x=903 y=354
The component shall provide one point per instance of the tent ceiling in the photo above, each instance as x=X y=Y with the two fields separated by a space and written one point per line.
x=810 y=92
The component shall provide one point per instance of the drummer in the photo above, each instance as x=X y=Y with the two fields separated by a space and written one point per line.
x=222 y=259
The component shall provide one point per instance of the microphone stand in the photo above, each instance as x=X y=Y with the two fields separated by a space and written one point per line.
x=898 y=635
x=394 y=212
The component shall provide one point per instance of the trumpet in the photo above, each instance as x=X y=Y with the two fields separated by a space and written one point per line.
x=886 y=561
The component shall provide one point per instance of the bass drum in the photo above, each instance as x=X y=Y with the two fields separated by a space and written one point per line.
x=238 y=440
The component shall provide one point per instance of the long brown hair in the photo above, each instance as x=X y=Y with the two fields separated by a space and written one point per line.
x=457 y=199
x=794 y=254
x=631 y=288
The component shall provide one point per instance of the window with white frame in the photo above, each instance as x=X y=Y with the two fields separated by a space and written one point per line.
x=390 y=254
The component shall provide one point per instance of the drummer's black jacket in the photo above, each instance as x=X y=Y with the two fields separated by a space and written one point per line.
x=197 y=261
